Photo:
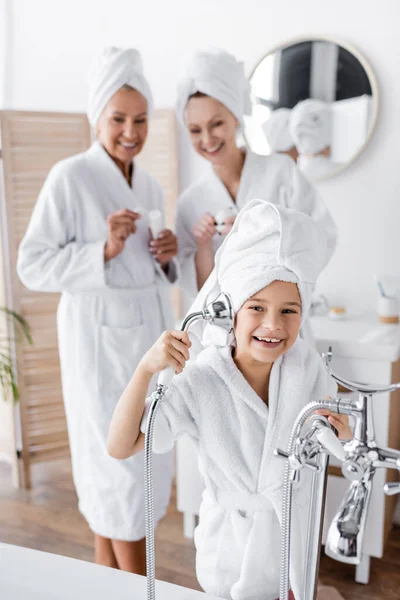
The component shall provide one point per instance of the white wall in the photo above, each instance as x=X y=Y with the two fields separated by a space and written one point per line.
x=51 y=44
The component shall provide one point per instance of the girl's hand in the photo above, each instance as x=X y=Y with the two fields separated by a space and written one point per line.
x=339 y=422
x=164 y=247
x=170 y=350
x=204 y=230
x=120 y=226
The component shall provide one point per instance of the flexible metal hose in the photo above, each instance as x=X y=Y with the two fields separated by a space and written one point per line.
x=157 y=397
x=149 y=493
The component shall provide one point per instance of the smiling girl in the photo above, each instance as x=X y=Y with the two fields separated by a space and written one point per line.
x=239 y=402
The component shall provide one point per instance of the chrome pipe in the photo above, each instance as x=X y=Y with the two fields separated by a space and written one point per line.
x=362 y=388
x=315 y=526
x=289 y=476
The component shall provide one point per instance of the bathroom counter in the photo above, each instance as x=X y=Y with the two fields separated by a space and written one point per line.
x=30 y=574
x=357 y=337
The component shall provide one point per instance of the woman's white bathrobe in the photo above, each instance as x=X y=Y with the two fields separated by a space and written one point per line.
x=238 y=537
x=108 y=317
x=273 y=178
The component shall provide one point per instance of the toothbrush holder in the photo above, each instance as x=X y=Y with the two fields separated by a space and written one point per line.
x=388 y=309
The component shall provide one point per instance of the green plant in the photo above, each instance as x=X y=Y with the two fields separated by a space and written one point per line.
x=8 y=379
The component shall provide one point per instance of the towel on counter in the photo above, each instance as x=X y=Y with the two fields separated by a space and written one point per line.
x=113 y=69
x=218 y=74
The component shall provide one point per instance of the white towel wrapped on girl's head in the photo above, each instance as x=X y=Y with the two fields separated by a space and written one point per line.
x=267 y=242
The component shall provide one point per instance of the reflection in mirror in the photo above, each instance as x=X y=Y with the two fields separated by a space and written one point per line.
x=315 y=100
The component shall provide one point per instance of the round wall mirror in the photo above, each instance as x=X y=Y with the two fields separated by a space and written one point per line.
x=316 y=100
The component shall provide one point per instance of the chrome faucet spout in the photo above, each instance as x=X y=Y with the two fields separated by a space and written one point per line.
x=346 y=533
x=359 y=457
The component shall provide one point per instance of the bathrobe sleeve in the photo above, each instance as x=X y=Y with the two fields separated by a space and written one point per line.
x=306 y=198
x=49 y=258
x=176 y=414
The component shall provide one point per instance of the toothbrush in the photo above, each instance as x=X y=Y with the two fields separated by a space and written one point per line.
x=380 y=286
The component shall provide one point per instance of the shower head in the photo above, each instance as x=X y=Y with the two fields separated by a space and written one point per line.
x=220 y=312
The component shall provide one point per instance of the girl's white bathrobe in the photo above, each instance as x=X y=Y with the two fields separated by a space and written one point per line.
x=273 y=178
x=108 y=317
x=238 y=537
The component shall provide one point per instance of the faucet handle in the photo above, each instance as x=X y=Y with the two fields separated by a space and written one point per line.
x=391 y=489
x=294 y=460
x=328 y=439
x=281 y=453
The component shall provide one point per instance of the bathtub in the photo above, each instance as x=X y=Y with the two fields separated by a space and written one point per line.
x=27 y=574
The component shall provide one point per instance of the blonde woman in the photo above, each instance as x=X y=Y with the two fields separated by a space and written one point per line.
x=87 y=240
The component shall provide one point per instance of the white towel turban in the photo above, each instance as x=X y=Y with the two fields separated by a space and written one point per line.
x=113 y=69
x=311 y=126
x=268 y=243
x=219 y=75
x=277 y=131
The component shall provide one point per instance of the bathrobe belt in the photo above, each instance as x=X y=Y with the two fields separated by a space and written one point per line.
x=241 y=501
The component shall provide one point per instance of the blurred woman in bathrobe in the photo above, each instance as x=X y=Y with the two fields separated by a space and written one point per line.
x=87 y=240
x=213 y=99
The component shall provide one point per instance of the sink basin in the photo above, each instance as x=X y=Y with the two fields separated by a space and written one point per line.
x=357 y=338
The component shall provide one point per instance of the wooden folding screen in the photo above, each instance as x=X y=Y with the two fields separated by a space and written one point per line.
x=32 y=142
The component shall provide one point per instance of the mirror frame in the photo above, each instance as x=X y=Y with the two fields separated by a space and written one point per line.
x=371 y=76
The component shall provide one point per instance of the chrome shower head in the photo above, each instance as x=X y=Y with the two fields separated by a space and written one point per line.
x=220 y=312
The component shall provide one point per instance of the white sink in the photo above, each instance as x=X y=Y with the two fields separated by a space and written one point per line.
x=357 y=337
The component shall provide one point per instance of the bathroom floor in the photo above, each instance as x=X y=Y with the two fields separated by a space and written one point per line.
x=46 y=518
